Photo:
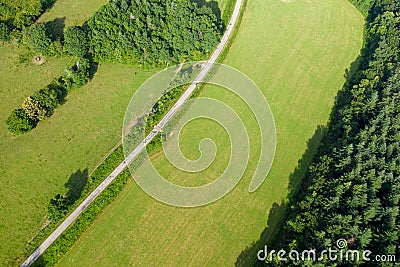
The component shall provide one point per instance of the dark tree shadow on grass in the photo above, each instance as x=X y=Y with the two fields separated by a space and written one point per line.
x=321 y=143
x=75 y=185
x=47 y=4
x=279 y=212
x=61 y=204
x=56 y=28
x=93 y=69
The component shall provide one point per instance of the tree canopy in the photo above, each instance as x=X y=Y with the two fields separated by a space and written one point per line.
x=19 y=14
x=38 y=39
x=4 y=32
x=76 y=41
x=19 y=122
x=352 y=188
x=153 y=31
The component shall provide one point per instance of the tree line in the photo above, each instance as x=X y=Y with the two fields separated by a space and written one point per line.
x=153 y=31
x=352 y=188
x=42 y=103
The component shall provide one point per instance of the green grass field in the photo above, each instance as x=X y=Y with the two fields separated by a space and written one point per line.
x=75 y=12
x=297 y=53
x=35 y=166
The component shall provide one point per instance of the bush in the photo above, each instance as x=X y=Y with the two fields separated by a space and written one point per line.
x=20 y=13
x=34 y=109
x=19 y=122
x=4 y=32
x=57 y=208
x=46 y=4
x=38 y=39
x=41 y=104
x=80 y=72
x=76 y=41
x=78 y=75
x=56 y=48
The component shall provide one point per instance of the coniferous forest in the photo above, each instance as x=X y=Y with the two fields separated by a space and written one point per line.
x=352 y=188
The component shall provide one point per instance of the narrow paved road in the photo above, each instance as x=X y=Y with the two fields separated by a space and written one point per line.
x=74 y=215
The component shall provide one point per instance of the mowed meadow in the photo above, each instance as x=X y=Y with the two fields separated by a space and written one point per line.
x=36 y=166
x=297 y=53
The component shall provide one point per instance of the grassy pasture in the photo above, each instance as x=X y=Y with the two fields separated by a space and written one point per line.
x=75 y=12
x=297 y=53
x=35 y=166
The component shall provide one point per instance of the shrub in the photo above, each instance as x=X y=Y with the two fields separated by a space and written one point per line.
x=19 y=122
x=34 y=109
x=42 y=103
x=4 y=32
x=20 y=14
x=76 y=41
x=38 y=39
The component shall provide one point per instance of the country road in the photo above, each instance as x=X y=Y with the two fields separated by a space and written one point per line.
x=74 y=215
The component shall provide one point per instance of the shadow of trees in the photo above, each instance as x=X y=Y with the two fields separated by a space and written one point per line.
x=55 y=28
x=94 y=66
x=75 y=185
x=211 y=4
x=278 y=212
x=47 y=4
x=61 y=203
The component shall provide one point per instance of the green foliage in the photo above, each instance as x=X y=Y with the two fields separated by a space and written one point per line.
x=153 y=31
x=41 y=104
x=78 y=75
x=4 y=32
x=61 y=204
x=46 y=4
x=76 y=41
x=363 y=5
x=19 y=122
x=56 y=48
x=20 y=13
x=38 y=39
x=59 y=207
x=353 y=186
x=34 y=109
x=61 y=246
x=230 y=6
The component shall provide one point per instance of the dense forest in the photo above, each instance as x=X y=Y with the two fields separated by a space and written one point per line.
x=352 y=188
x=153 y=31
